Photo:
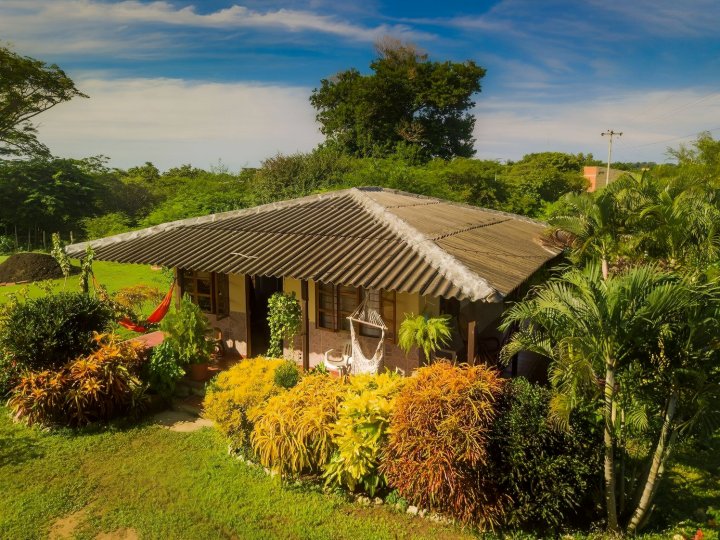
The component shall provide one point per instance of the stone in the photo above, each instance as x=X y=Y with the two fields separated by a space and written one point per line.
x=412 y=510
x=422 y=513
x=377 y=500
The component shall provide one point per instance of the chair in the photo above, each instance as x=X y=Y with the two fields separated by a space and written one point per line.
x=343 y=364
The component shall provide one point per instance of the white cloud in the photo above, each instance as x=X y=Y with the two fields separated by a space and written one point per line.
x=171 y=122
x=650 y=121
x=95 y=26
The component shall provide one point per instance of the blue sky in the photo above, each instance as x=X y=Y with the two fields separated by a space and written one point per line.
x=200 y=81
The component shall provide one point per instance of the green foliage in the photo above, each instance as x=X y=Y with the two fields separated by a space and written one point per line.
x=10 y=373
x=360 y=432
x=284 y=318
x=86 y=270
x=186 y=332
x=106 y=225
x=437 y=455
x=426 y=333
x=27 y=88
x=97 y=387
x=7 y=244
x=58 y=253
x=162 y=371
x=287 y=374
x=237 y=391
x=407 y=100
x=546 y=472
x=293 y=431
x=47 y=332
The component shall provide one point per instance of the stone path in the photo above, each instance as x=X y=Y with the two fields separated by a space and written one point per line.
x=180 y=421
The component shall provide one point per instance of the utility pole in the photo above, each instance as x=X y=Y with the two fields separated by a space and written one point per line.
x=610 y=133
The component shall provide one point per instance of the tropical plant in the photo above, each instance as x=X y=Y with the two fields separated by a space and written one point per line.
x=233 y=393
x=287 y=374
x=58 y=253
x=10 y=373
x=284 y=317
x=547 y=472
x=49 y=331
x=428 y=334
x=360 y=432
x=186 y=331
x=642 y=347
x=162 y=371
x=96 y=387
x=437 y=455
x=293 y=431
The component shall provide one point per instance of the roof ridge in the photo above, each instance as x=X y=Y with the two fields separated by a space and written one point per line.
x=469 y=282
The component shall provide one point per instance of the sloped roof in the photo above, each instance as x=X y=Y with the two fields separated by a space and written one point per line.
x=362 y=237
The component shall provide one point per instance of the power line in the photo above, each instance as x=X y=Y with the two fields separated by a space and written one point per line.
x=673 y=139
x=610 y=133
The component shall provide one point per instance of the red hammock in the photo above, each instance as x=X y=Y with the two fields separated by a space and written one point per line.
x=155 y=317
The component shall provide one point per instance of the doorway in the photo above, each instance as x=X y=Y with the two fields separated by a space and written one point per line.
x=259 y=289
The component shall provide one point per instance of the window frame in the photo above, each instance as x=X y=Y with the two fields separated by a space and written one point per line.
x=387 y=300
x=216 y=287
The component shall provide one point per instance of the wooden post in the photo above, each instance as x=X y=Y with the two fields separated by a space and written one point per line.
x=471 y=346
x=305 y=325
x=248 y=316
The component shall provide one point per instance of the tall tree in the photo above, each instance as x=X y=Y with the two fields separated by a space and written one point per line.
x=28 y=87
x=407 y=99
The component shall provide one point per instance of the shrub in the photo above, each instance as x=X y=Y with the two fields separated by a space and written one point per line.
x=437 y=450
x=7 y=244
x=235 y=392
x=293 y=430
x=99 y=386
x=10 y=373
x=163 y=370
x=186 y=331
x=427 y=334
x=48 y=332
x=546 y=471
x=361 y=432
x=287 y=374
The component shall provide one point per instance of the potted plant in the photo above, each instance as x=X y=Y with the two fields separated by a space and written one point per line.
x=187 y=331
x=428 y=334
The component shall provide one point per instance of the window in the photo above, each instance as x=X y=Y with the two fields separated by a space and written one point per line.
x=335 y=303
x=208 y=290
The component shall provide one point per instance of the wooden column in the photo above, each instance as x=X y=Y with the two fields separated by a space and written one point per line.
x=471 y=346
x=305 y=325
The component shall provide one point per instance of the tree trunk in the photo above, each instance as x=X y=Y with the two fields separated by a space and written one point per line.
x=609 y=440
x=605 y=272
x=656 y=467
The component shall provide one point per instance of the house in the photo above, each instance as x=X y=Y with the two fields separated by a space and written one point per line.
x=598 y=177
x=405 y=253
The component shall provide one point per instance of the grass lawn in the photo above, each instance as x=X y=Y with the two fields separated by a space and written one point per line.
x=164 y=484
x=112 y=275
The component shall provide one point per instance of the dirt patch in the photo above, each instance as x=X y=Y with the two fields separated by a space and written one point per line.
x=120 y=534
x=65 y=527
x=30 y=267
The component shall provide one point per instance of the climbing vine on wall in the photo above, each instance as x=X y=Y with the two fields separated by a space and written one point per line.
x=284 y=316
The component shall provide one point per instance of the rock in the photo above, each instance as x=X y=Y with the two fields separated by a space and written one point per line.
x=365 y=501
x=422 y=513
x=412 y=510
x=377 y=500
x=678 y=537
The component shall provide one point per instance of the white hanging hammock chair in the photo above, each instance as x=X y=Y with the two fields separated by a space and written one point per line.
x=365 y=315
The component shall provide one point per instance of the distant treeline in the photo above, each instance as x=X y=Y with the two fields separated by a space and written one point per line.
x=85 y=199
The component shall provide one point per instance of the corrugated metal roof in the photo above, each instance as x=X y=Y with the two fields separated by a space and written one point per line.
x=361 y=237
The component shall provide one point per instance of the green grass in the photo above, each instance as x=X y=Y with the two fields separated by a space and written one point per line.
x=112 y=275
x=166 y=485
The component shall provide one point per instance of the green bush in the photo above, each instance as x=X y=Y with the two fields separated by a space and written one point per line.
x=7 y=245
x=287 y=374
x=546 y=472
x=360 y=432
x=10 y=373
x=186 y=332
x=48 y=332
x=233 y=393
x=163 y=370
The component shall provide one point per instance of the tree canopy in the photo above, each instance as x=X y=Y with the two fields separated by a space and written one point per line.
x=406 y=100
x=28 y=87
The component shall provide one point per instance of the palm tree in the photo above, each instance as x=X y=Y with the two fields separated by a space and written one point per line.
x=597 y=331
